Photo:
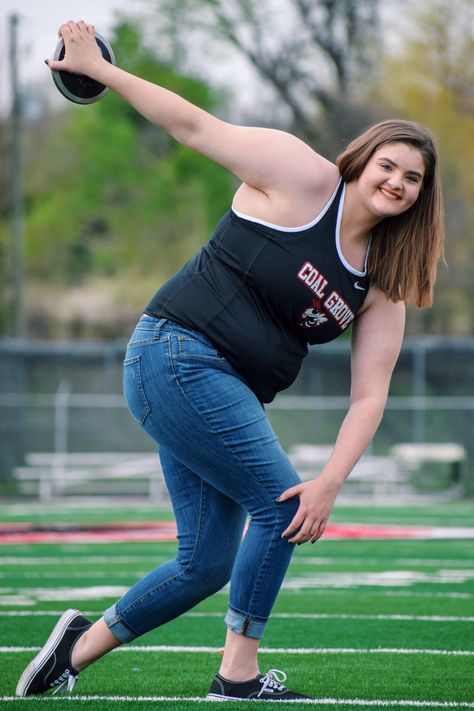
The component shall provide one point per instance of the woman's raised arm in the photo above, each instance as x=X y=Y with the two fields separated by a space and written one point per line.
x=266 y=159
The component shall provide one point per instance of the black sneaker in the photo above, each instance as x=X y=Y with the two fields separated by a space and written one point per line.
x=265 y=687
x=51 y=668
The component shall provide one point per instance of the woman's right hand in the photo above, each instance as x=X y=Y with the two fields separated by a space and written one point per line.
x=82 y=53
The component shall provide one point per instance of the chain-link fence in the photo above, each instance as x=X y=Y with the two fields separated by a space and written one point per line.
x=66 y=397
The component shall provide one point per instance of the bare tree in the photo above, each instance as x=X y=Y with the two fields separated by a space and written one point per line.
x=313 y=53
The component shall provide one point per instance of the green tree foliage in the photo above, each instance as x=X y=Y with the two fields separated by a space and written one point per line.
x=111 y=196
x=431 y=80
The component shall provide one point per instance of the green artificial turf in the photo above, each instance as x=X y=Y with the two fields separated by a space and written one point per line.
x=427 y=578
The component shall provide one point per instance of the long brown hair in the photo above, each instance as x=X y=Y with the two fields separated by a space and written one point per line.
x=405 y=249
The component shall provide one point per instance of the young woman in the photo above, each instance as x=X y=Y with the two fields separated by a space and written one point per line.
x=307 y=249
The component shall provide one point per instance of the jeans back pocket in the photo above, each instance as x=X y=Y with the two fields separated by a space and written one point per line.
x=135 y=397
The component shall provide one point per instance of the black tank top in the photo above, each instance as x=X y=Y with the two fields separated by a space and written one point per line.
x=262 y=293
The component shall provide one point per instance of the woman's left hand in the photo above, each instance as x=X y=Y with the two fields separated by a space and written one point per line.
x=82 y=54
x=316 y=501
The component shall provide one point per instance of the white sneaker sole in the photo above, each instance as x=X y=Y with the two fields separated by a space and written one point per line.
x=220 y=697
x=50 y=645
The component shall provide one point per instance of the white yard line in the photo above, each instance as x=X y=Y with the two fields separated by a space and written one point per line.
x=277 y=615
x=328 y=701
x=386 y=578
x=272 y=650
x=343 y=616
x=30 y=597
x=74 y=560
x=312 y=581
x=377 y=593
x=419 y=562
x=303 y=560
x=27 y=575
x=406 y=593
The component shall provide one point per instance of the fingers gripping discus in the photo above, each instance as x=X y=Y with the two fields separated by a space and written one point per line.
x=77 y=87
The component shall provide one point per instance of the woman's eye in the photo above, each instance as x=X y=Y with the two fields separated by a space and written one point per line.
x=385 y=166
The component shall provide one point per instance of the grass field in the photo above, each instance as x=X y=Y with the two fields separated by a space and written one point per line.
x=358 y=624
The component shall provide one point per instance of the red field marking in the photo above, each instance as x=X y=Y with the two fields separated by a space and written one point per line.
x=166 y=531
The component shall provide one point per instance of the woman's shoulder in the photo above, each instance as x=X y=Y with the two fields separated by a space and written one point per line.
x=296 y=200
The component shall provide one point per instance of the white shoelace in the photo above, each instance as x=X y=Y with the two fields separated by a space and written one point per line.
x=273 y=679
x=67 y=685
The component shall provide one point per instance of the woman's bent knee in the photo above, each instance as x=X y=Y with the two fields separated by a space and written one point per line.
x=286 y=510
x=277 y=515
x=208 y=576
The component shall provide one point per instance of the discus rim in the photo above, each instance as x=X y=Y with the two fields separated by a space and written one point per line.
x=58 y=79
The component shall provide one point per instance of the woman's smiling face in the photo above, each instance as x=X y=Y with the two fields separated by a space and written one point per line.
x=391 y=181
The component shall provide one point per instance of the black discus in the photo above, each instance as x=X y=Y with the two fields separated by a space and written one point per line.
x=77 y=87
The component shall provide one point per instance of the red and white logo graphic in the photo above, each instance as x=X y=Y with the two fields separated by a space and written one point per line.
x=312 y=317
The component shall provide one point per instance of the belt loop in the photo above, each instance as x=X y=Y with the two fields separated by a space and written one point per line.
x=159 y=325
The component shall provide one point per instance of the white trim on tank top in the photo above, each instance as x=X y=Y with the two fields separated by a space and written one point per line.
x=338 y=241
x=312 y=224
x=292 y=229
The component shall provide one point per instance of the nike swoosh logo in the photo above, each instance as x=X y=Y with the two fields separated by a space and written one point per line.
x=358 y=286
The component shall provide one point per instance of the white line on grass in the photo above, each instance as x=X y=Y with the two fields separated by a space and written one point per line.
x=277 y=615
x=202 y=699
x=419 y=562
x=377 y=593
x=330 y=592
x=300 y=560
x=306 y=650
x=386 y=578
x=337 y=616
x=273 y=650
x=27 y=600
x=73 y=560
x=405 y=593
x=75 y=574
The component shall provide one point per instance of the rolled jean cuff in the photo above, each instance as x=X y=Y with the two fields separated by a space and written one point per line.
x=244 y=625
x=116 y=626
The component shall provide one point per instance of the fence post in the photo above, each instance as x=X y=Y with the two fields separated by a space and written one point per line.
x=419 y=390
x=49 y=483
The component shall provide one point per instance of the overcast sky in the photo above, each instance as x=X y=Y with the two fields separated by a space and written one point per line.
x=37 y=33
x=39 y=21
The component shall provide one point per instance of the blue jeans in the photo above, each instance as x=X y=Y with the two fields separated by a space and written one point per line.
x=221 y=461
